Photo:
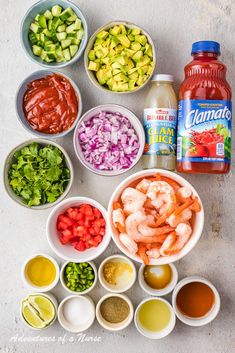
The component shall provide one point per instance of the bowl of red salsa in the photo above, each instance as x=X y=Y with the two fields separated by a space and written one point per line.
x=48 y=104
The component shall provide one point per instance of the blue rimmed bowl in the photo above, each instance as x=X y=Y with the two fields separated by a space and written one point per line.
x=40 y=7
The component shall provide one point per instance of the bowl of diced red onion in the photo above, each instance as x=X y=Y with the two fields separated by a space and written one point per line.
x=109 y=139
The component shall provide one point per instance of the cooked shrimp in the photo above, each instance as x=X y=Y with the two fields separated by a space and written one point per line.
x=169 y=241
x=184 y=193
x=154 y=253
x=133 y=200
x=129 y=243
x=143 y=185
x=184 y=216
x=196 y=206
x=118 y=217
x=162 y=196
x=142 y=248
x=132 y=223
x=183 y=232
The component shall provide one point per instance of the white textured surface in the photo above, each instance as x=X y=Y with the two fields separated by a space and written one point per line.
x=173 y=25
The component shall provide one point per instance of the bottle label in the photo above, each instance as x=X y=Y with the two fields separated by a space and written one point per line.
x=204 y=131
x=160 y=131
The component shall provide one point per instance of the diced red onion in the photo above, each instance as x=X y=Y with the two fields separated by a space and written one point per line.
x=108 y=141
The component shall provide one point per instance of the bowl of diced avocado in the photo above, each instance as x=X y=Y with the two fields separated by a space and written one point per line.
x=120 y=57
x=54 y=33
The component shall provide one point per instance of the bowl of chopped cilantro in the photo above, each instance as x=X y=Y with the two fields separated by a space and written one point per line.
x=38 y=174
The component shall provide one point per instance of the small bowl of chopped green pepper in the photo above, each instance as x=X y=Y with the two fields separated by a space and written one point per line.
x=54 y=33
x=78 y=277
x=38 y=174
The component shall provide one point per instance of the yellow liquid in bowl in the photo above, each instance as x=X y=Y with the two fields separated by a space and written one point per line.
x=157 y=276
x=40 y=271
x=154 y=315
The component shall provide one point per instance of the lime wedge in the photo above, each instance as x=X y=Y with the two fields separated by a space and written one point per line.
x=44 y=307
x=30 y=315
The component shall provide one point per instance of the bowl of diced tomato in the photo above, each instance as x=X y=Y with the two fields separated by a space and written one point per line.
x=77 y=229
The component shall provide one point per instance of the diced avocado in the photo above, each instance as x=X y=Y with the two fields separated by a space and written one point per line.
x=130 y=64
x=129 y=52
x=124 y=40
x=61 y=28
x=116 y=65
x=61 y=36
x=123 y=29
x=114 y=42
x=116 y=71
x=137 y=56
x=132 y=85
x=91 y=55
x=134 y=76
x=66 y=43
x=102 y=76
x=102 y=35
x=101 y=53
x=42 y=21
x=148 y=50
x=48 y=15
x=143 y=70
x=115 y=30
x=132 y=70
x=120 y=77
x=56 y=10
x=37 y=50
x=66 y=14
x=135 y=31
x=106 y=61
x=141 y=80
x=66 y=54
x=131 y=37
x=73 y=49
x=150 y=69
x=70 y=28
x=93 y=66
x=123 y=60
x=144 y=61
x=75 y=41
x=120 y=86
x=118 y=49
x=135 y=46
x=141 y=38
x=34 y=27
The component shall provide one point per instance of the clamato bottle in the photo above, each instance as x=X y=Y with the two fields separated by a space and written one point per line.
x=204 y=114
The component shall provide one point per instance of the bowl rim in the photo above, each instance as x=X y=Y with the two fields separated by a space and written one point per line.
x=158 y=292
x=87 y=200
x=140 y=134
x=122 y=325
x=62 y=281
x=91 y=42
x=80 y=49
x=183 y=182
x=69 y=297
x=43 y=73
x=201 y=321
x=40 y=141
x=160 y=334
x=104 y=283
x=33 y=287
x=49 y=296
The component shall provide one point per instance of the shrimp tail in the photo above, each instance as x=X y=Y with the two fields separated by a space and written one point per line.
x=142 y=248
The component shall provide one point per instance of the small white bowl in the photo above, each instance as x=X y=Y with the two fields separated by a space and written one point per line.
x=62 y=281
x=198 y=221
x=67 y=252
x=90 y=45
x=66 y=324
x=113 y=108
x=115 y=288
x=37 y=288
x=202 y=320
x=52 y=298
x=158 y=292
x=155 y=335
x=112 y=326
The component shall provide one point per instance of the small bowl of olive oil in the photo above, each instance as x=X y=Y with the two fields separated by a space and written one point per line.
x=158 y=280
x=40 y=273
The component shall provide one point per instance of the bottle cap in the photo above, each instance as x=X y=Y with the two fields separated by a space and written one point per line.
x=207 y=46
x=162 y=77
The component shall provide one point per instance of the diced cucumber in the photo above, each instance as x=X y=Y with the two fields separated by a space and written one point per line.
x=36 y=18
x=72 y=18
x=73 y=49
x=47 y=32
x=48 y=60
x=66 y=43
x=51 y=55
x=61 y=36
x=66 y=14
x=80 y=34
x=42 y=21
x=34 y=27
x=75 y=41
x=43 y=55
x=55 y=23
x=50 y=47
x=72 y=35
x=37 y=50
x=77 y=24
x=50 y=25
x=56 y=10
x=70 y=28
x=48 y=15
x=33 y=38
x=61 y=28
x=66 y=54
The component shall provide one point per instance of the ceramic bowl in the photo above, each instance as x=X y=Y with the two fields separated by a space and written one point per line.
x=19 y=103
x=41 y=7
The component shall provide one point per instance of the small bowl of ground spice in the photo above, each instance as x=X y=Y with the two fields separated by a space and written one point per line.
x=117 y=273
x=114 y=311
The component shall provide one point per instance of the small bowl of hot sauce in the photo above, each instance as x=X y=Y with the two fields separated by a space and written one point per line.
x=196 y=301
x=48 y=104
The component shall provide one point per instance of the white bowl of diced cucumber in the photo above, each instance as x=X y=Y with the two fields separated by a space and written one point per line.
x=54 y=33
x=120 y=57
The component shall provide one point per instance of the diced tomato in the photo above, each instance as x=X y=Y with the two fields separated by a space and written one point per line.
x=61 y=225
x=66 y=220
x=102 y=231
x=98 y=238
x=97 y=213
x=80 y=245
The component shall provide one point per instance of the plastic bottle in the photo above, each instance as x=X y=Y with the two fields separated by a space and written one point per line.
x=205 y=113
x=160 y=120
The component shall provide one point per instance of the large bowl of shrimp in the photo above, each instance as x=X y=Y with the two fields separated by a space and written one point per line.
x=155 y=217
